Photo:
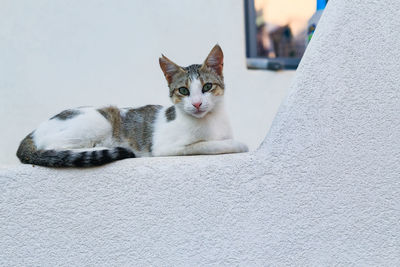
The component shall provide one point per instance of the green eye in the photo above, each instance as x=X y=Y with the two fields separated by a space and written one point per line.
x=207 y=87
x=184 y=91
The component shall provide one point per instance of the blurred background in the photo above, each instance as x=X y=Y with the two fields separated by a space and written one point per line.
x=56 y=55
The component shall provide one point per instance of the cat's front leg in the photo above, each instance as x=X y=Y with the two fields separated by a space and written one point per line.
x=201 y=148
x=215 y=147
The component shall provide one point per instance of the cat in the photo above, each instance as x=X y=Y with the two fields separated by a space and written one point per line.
x=196 y=124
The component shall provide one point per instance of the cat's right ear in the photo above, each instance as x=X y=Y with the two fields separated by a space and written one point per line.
x=169 y=68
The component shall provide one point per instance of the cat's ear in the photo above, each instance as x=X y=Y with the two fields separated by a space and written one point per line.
x=215 y=59
x=169 y=68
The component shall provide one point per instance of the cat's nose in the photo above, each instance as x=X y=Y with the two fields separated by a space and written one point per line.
x=197 y=105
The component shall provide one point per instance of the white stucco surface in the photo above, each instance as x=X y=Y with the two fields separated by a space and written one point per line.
x=322 y=190
x=56 y=55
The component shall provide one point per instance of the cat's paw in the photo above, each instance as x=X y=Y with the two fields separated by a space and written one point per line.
x=238 y=147
x=242 y=148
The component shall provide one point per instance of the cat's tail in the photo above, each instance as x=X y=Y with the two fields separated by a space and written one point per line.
x=28 y=154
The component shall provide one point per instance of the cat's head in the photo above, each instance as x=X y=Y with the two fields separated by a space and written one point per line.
x=196 y=89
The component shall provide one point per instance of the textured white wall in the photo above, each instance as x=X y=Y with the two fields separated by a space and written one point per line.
x=61 y=54
x=322 y=190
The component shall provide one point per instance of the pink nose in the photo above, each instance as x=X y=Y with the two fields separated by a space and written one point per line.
x=197 y=105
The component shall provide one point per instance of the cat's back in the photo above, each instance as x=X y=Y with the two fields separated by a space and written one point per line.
x=105 y=126
x=71 y=128
x=137 y=126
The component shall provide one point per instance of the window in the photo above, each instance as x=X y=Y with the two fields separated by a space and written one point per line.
x=278 y=31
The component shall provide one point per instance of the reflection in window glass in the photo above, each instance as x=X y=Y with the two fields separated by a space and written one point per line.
x=282 y=27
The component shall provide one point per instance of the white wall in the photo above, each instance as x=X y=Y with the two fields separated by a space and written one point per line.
x=322 y=190
x=61 y=54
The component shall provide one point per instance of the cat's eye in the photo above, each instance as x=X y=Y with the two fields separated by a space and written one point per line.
x=184 y=91
x=207 y=87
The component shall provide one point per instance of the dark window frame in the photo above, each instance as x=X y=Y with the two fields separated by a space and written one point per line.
x=254 y=62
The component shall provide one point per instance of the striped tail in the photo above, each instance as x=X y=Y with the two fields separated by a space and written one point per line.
x=27 y=153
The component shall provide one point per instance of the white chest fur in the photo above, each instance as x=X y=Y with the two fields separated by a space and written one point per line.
x=170 y=136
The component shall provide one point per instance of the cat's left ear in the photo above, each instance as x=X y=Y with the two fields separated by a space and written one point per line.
x=215 y=60
x=169 y=68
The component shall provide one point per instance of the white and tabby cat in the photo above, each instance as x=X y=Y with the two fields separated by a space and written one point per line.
x=195 y=124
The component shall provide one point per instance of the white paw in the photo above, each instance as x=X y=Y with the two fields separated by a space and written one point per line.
x=239 y=147
x=242 y=148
